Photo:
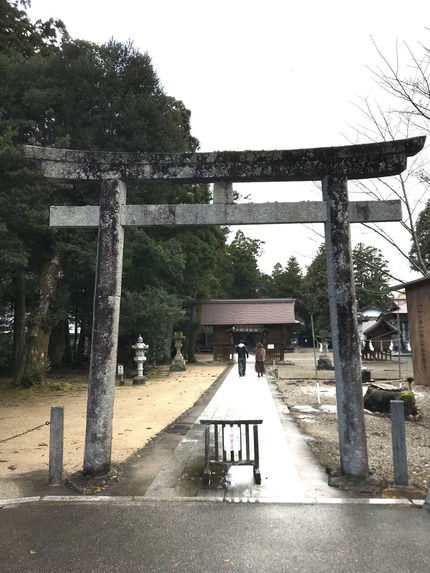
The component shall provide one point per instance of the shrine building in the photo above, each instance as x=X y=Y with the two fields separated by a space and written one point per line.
x=269 y=321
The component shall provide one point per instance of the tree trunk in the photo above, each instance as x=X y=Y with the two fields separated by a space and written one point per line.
x=18 y=322
x=57 y=341
x=168 y=344
x=85 y=333
x=33 y=367
x=67 y=359
x=193 y=327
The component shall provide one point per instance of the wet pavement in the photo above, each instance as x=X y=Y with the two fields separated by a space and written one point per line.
x=289 y=470
x=123 y=536
x=161 y=518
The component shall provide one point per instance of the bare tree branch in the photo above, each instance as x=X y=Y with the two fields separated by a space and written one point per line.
x=412 y=87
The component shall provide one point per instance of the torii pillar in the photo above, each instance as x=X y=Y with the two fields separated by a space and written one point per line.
x=104 y=339
x=344 y=328
x=333 y=166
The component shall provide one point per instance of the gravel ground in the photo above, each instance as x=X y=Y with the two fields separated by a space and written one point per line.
x=299 y=389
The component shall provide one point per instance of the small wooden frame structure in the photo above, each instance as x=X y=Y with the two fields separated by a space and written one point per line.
x=237 y=448
x=379 y=333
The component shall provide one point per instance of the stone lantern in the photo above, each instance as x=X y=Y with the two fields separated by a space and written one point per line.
x=140 y=348
x=324 y=362
x=178 y=362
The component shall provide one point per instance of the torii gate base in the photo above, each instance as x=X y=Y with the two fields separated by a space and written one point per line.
x=333 y=166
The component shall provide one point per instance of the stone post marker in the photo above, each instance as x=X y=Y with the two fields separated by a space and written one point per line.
x=333 y=166
x=56 y=437
x=398 y=436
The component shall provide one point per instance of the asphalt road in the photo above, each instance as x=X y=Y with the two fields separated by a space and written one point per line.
x=207 y=537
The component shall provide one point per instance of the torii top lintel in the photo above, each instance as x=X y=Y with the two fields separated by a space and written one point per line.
x=352 y=161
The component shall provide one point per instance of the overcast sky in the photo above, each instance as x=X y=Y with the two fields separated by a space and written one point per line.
x=266 y=75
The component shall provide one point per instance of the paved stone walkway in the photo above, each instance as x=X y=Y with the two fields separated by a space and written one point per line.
x=289 y=470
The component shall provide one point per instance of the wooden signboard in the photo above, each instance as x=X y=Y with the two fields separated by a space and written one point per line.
x=418 y=300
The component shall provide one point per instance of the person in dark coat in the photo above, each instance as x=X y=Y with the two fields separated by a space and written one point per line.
x=242 y=355
x=260 y=357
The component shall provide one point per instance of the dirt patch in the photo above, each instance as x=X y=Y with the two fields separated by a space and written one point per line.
x=313 y=406
x=140 y=413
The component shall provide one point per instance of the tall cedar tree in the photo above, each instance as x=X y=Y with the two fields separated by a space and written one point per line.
x=371 y=277
x=371 y=283
x=314 y=297
x=243 y=254
x=288 y=283
x=25 y=240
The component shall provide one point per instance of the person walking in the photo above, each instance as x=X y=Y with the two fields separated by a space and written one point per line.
x=242 y=355
x=260 y=357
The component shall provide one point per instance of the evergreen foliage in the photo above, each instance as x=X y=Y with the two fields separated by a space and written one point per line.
x=371 y=283
x=409 y=400
x=243 y=254
x=68 y=93
x=422 y=230
x=371 y=277
x=314 y=297
x=153 y=313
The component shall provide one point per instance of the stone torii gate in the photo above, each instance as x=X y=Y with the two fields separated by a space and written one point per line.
x=333 y=166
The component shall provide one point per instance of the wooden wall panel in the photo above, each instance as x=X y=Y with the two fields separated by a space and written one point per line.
x=418 y=299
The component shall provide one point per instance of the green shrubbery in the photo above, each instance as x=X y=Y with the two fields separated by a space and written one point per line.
x=408 y=398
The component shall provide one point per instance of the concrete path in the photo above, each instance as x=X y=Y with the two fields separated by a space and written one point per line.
x=289 y=470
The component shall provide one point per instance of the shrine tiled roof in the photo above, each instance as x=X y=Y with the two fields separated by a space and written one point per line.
x=378 y=325
x=248 y=311
x=400 y=306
